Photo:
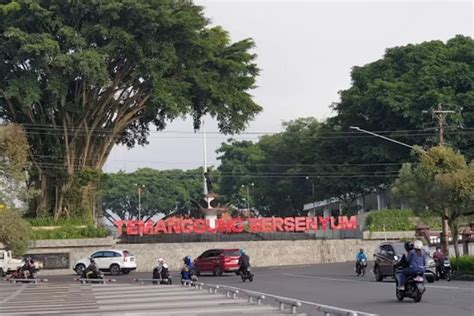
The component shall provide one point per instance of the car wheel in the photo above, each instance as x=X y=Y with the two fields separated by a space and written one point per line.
x=217 y=271
x=125 y=271
x=79 y=269
x=115 y=269
x=378 y=275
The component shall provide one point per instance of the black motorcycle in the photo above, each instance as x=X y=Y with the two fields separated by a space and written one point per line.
x=92 y=274
x=444 y=269
x=414 y=288
x=162 y=275
x=246 y=274
x=361 y=267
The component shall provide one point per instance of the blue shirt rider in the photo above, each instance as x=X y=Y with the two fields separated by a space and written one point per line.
x=188 y=267
x=361 y=255
x=416 y=263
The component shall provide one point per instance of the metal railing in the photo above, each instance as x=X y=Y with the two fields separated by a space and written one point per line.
x=284 y=303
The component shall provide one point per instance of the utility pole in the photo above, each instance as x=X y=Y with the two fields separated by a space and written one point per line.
x=440 y=116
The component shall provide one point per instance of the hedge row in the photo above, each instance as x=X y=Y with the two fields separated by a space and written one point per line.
x=400 y=220
x=70 y=232
x=390 y=220
x=463 y=265
x=50 y=221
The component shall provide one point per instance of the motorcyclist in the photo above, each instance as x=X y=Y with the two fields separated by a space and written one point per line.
x=403 y=263
x=187 y=269
x=359 y=257
x=438 y=257
x=29 y=267
x=92 y=271
x=244 y=261
x=416 y=263
x=161 y=269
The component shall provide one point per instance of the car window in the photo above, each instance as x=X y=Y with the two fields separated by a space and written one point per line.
x=109 y=254
x=384 y=249
x=98 y=254
x=204 y=255
x=390 y=250
x=214 y=253
x=399 y=249
x=117 y=254
x=2 y=255
x=232 y=253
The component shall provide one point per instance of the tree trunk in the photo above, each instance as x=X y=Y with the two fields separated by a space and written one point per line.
x=454 y=232
x=444 y=234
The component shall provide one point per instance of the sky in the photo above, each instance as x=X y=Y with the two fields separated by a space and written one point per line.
x=306 y=50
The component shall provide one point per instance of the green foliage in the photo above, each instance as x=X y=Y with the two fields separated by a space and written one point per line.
x=163 y=192
x=14 y=231
x=390 y=220
x=82 y=76
x=70 y=232
x=50 y=221
x=463 y=265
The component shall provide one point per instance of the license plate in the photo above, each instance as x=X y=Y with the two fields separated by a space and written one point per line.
x=132 y=259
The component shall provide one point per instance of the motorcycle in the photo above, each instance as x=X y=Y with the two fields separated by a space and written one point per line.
x=246 y=274
x=26 y=272
x=162 y=275
x=361 y=267
x=444 y=270
x=414 y=288
x=189 y=274
x=88 y=274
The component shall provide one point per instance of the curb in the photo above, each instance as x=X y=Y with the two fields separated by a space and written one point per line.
x=464 y=277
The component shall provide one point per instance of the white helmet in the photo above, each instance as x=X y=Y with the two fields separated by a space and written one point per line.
x=418 y=245
x=161 y=260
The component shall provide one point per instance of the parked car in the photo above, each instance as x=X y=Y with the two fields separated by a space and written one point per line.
x=8 y=263
x=113 y=261
x=387 y=254
x=218 y=261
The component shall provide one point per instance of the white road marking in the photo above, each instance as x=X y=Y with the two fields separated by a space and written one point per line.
x=358 y=281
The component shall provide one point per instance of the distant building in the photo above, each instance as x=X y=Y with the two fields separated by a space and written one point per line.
x=376 y=200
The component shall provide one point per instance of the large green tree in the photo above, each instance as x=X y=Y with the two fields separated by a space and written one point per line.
x=14 y=152
x=443 y=182
x=82 y=76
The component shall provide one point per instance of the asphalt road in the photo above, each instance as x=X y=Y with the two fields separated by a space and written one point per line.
x=337 y=285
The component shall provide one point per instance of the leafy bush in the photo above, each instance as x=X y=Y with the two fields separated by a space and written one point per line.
x=49 y=221
x=390 y=220
x=71 y=232
x=463 y=265
x=14 y=231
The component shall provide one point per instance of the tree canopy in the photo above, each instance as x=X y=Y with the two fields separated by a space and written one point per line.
x=442 y=180
x=393 y=96
x=82 y=76
x=14 y=151
x=161 y=191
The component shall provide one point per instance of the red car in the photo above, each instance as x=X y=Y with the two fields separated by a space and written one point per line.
x=218 y=261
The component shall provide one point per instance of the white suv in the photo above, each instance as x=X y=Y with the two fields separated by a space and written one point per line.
x=113 y=261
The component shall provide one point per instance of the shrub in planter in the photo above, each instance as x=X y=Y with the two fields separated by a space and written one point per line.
x=463 y=265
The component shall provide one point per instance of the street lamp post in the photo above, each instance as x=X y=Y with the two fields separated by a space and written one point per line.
x=312 y=190
x=140 y=187
x=248 y=195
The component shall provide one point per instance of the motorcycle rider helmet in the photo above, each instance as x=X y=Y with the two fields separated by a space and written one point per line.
x=242 y=251
x=161 y=260
x=418 y=245
x=408 y=246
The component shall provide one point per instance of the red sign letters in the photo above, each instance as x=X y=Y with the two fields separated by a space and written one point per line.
x=236 y=225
